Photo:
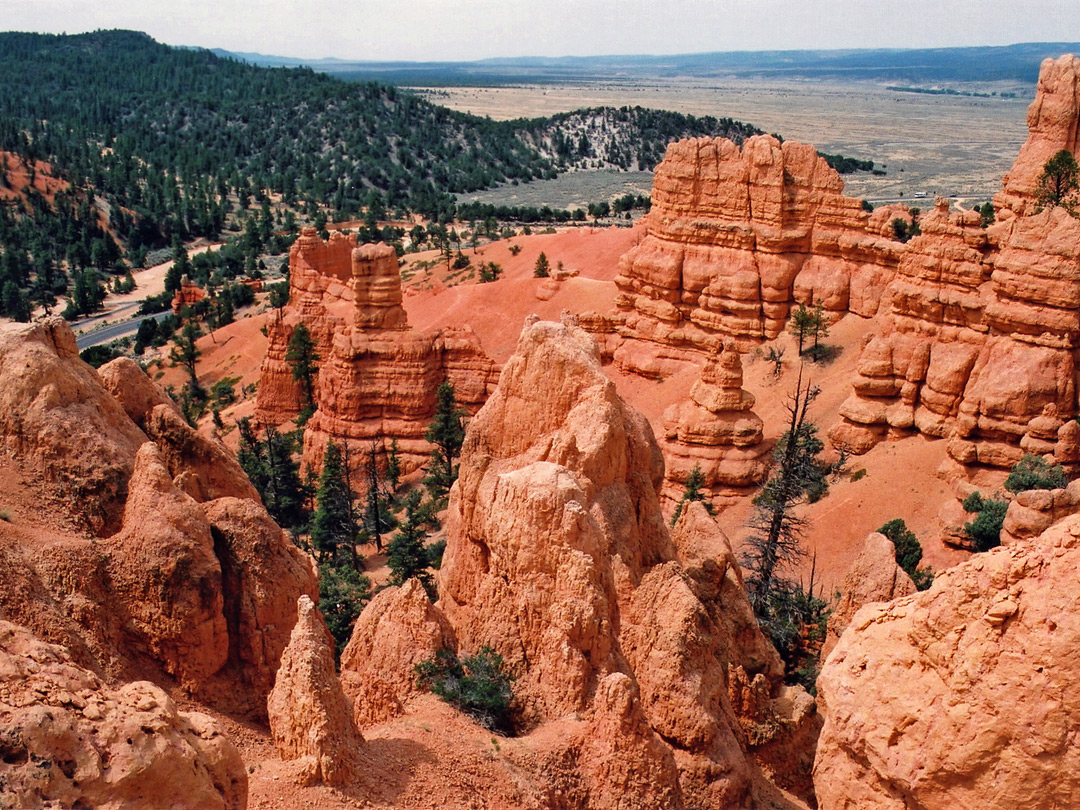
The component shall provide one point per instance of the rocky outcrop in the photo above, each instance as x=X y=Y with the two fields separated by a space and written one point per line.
x=377 y=377
x=873 y=577
x=397 y=631
x=68 y=740
x=979 y=327
x=262 y=574
x=716 y=431
x=165 y=574
x=133 y=389
x=962 y=695
x=558 y=557
x=1032 y=512
x=201 y=589
x=735 y=236
x=60 y=421
x=623 y=762
x=188 y=295
x=1053 y=124
x=201 y=466
x=310 y=718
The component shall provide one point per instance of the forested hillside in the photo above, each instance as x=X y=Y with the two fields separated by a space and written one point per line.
x=163 y=144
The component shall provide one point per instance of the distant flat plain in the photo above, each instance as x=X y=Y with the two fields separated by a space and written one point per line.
x=952 y=145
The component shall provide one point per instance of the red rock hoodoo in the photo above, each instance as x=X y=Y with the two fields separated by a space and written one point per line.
x=310 y=717
x=734 y=237
x=188 y=295
x=558 y=557
x=1053 y=124
x=378 y=378
x=980 y=327
x=716 y=431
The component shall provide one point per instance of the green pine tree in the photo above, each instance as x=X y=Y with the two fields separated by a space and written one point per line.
x=407 y=556
x=447 y=433
x=333 y=525
x=303 y=357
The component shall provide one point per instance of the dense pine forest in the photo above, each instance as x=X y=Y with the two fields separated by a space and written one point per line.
x=161 y=145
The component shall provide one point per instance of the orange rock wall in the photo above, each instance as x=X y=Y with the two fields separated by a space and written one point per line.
x=980 y=327
x=377 y=377
x=735 y=237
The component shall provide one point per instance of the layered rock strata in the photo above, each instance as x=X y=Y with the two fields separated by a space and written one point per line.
x=715 y=431
x=962 y=695
x=735 y=237
x=377 y=378
x=980 y=327
x=558 y=557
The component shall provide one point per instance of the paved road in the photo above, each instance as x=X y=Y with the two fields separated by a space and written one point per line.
x=114 y=331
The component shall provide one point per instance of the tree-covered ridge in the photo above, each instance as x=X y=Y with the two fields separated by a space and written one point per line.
x=162 y=145
x=150 y=124
x=169 y=131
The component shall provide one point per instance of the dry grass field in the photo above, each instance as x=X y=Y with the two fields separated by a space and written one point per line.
x=957 y=146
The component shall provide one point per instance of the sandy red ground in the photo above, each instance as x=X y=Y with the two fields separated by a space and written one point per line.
x=901 y=478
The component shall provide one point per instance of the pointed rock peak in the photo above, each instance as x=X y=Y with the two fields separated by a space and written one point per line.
x=1053 y=124
x=310 y=717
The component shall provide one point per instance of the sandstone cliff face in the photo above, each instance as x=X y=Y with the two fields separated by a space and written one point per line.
x=558 y=557
x=963 y=695
x=377 y=378
x=979 y=327
x=735 y=237
x=202 y=588
x=70 y=741
x=310 y=718
x=716 y=430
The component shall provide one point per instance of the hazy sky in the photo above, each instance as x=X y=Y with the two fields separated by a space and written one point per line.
x=476 y=29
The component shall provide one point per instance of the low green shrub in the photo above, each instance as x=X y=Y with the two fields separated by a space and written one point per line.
x=477 y=685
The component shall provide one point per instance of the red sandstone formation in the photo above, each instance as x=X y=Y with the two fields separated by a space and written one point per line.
x=57 y=418
x=559 y=558
x=205 y=592
x=310 y=717
x=166 y=575
x=1053 y=120
x=873 y=577
x=68 y=740
x=188 y=295
x=979 y=327
x=1032 y=512
x=735 y=237
x=398 y=630
x=963 y=695
x=715 y=431
x=377 y=378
